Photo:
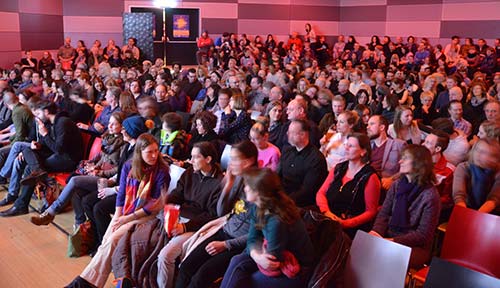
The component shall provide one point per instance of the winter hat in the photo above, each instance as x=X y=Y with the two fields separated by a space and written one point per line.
x=135 y=126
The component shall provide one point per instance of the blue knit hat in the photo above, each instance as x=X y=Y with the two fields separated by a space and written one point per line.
x=134 y=126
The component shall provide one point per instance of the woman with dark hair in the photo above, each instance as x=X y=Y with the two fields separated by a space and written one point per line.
x=212 y=97
x=410 y=213
x=177 y=98
x=236 y=122
x=128 y=104
x=388 y=104
x=349 y=46
x=374 y=42
x=204 y=125
x=46 y=63
x=310 y=35
x=364 y=114
x=277 y=238
x=209 y=250
x=143 y=189
x=476 y=183
x=351 y=192
x=404 y=127
x=274 y=111
x=270 y=43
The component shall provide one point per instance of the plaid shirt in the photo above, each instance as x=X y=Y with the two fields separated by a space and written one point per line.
x=463 y=125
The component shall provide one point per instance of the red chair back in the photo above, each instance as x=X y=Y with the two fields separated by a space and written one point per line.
x=96 y=148
x=472 y=240
x=86 y=140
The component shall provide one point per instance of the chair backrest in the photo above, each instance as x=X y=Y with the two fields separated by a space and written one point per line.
x=375 y=262
x=447 y=274
x=95 y=149
x=224 y=159
x=472 y=240
x=175 y=175
x=86 y=137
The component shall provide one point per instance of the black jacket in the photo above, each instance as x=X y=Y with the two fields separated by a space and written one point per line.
x=64 y=138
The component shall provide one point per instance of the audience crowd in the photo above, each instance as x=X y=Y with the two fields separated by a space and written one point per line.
x=384 y=137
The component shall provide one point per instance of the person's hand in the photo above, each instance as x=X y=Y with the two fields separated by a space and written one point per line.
x=216 y=247
x=42 y=130
x=20 y=157
x=98 y=127
x=178 y=229
x=266 y=261
x=332 y=216
x=386 y=183
x=108 y=191
x=227 y=110
x=82 y=126
x=121 y=220
x=375 y=234
x=35 y=145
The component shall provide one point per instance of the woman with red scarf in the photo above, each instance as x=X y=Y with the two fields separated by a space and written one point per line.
x=143 y=187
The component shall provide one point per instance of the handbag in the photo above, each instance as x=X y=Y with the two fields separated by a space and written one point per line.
x=81 y=241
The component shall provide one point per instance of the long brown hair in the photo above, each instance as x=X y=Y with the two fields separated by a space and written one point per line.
x=272 y=196
x=138 y=165
x=423 y=168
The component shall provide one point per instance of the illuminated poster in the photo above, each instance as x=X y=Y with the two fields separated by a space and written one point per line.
x=181 y=26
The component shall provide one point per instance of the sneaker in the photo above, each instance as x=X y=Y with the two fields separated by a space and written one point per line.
x=42 y=219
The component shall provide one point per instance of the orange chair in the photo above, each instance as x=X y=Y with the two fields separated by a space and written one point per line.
x=472 y=240
x=61 y=177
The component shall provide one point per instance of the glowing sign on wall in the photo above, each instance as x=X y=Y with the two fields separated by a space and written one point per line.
x=181 y=26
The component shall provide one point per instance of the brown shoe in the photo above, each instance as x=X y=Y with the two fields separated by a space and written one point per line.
x=42 y=219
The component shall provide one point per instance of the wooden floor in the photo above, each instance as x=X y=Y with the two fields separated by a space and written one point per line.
x=32 y=256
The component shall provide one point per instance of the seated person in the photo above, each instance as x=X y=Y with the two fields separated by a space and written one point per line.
x=101 y=123
x=204 y=125
x=172 y=137
x=98 y=205
x=59 y=149
x=410 y=213
x=277 y=233
x=274 y=112
x=146 y=178
x=351 y=192
x=105 y=164
x=269 y=155
x=207 y=261
x=458 y=147
x=333 y=146
x=437 y=141
x=302 y=167
x=404 y=127
x=476 y=183
x=78 y=107
x=235 y=121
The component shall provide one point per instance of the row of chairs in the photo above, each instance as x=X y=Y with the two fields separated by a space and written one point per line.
x=469 y=256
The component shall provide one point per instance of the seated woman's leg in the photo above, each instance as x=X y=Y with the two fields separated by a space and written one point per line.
x=78 y=200
x=97 y=272
x=239 y=272
x=213 y=269
x=101 y=212
x=167 y=257
x=87 y=183
x=195 y=260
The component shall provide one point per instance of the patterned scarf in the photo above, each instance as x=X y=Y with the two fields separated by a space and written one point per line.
x=136 y=196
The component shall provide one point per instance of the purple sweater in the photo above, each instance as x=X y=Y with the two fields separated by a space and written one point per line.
x=424 y=217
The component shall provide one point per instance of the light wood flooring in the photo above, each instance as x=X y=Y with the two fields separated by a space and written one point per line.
x=32 y=256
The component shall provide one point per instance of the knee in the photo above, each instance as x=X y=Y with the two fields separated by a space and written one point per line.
x=167 y=255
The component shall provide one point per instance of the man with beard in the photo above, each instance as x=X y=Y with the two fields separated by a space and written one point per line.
x=386 y=152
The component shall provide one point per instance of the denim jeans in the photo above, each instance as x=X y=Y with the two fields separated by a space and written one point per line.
x=243 y=273
x=9 y=166
x=16 y=175
x=88 y=183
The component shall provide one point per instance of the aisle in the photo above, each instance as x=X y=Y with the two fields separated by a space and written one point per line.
x=32 y=256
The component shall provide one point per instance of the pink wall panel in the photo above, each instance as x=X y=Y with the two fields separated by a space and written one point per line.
x=472 y=11
x=362 y=28
x=316 y=2
x=9 y=22
x=263 y=27
x=431 y=12
x=7 y=59
x=50 y=7
x=11 y=41
x=91 y=24
x=421 y=28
